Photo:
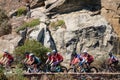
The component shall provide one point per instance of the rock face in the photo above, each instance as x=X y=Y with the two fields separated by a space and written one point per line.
x=63 y=6
x=9 y=42
x=111 y=11
x=83 y=31
x=88 y=25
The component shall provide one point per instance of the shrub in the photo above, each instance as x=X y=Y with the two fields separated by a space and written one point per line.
x=2 y=76
x=57 y=24
x=21 y=11
x=17 y=76
x=31 y=46
x=5 y=27
x=32 y=23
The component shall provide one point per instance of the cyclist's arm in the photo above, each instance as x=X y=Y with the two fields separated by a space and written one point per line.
x=25 y=60
x=73 y=61
x=47 y=61
x=6 y=61
x=85 y=59
x=51 y=61
x=109 y=61
x=31 y=61
x=1 y=60
x=28 y=61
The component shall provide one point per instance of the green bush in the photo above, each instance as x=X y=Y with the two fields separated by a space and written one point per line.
x=17 y=76
x=32 y=23
x=32 y=46
x=21 y=11
x=57 y=24
x=2 y=76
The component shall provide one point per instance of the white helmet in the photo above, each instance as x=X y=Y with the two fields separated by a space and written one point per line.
x=31 y=54
x=48 y=53
x=85 y=51
x=53 y=51
x=6 y=51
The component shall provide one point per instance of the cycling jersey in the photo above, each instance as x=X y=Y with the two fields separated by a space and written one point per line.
x=36 y=60
x=113 y=58
x=8 y=56
x=56 y=57
x=77 y=58
x=27 y=56
x=89 y=58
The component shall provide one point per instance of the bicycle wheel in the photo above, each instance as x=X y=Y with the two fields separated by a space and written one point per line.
x=63 y=69
x=71 y=70
x=112 y=69
x=93 y=70
x=46 y=68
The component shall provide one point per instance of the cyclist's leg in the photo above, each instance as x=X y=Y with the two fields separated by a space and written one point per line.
x=35 y=67
x=116 y=63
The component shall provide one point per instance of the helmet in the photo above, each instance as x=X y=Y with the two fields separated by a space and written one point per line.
x=48 y=53
x=110 y=53
x=5 y=51
x=27 y=53
x=31 y=55
x=85 y=51
x=53 y=51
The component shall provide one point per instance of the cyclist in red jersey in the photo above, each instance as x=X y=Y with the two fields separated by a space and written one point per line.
x=89 y=58
x=56 y=58
x=7 y=58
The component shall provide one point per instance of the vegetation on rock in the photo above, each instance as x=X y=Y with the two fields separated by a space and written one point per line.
x=32 y=46
x=21 y=11
x=32 y=23
x=58 y=23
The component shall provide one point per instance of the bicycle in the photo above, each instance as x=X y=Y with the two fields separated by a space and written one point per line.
x=111 y=68
x=6 y=68
x=81 y=69
x=30 y=68
x=107 y=67
x=57 y=68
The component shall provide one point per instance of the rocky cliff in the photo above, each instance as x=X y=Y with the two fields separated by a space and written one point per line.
x=68 y=25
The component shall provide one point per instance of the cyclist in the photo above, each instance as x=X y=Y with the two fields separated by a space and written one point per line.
x=34 y=61
x=25 y=62
x=88 y=58
x=77 y=59
x=56 y=59
x=49 y=57
x=7 y=59
x=112 y=59
x=26 y=57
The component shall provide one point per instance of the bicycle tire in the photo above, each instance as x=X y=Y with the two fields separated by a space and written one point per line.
x=71 y=70
x=93 y=70
x=63 y=69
